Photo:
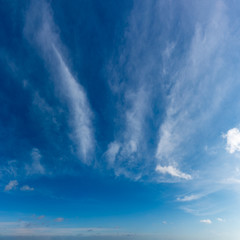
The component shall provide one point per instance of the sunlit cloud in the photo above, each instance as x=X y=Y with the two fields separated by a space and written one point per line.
x=174 y=172
x=233 y=140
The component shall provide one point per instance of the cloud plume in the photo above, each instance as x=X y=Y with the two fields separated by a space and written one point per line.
x=41 y=30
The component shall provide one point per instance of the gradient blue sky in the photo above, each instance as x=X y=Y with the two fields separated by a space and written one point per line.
x=120 y=120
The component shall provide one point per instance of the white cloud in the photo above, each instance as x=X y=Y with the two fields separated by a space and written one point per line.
x=192 y=100
x=231 y=180
x=135 y=117
x=60 y=219
x=26 y=188
x=188 y=198
x=233 y=140
x=10 y=169
x=174 y=172
x=123 y=153
x=11 y=185
x=80 y=109
x=36 y=167
x=40 y=29
x=220 y=220
x=113 y=149
x=207 y=221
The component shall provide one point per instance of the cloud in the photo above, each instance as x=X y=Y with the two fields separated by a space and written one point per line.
x=59 y=219
x=207 y=221
x=80 y=109
x=11 y=185
x=231 y=180
x=40 y=29
x=233 y=140
x=113 y=149
x=139 y=63
x=26 y=188
x=173 y=172
x=40 y=217
x=124 y=153
x=10 y=170
x=189 y=198
x=220 y=220
x=36 y=167
x=192 y=100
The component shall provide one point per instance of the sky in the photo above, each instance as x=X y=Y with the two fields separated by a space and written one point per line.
x=119 y=120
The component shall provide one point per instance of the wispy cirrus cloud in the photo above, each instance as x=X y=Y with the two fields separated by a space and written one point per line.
x=188 y=94
x=193 y=102
x=140 y=64
x=40 y=29
x=189 y=198
x=174 y=172
x=124 y=153
x=80 y=109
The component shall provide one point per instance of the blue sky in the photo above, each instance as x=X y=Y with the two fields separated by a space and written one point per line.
x=119 y=120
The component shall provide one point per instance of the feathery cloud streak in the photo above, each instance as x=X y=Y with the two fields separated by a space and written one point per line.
x=192 y=100
x=41 y=29
x=173 y=172
x=139 y=62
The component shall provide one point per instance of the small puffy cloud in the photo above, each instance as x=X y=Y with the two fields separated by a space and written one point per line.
x=11 y=185
x=188 y=198
x=164 y=222
x=207 y=221
x=220 y=220
x=59 y=219
x=26 y=188
x=173 y=172
x=41 y=217
x=233 y=140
